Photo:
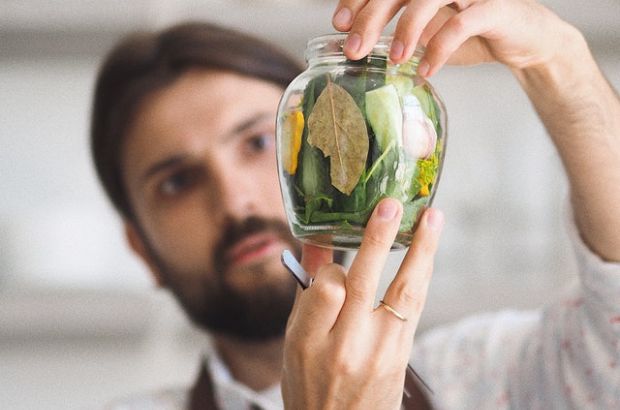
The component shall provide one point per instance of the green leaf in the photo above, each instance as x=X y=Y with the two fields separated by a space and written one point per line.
x=357 y=218
x=411 y=212
x=311 y=175
x=315 y=205
x=353 y=79
x=337 y=127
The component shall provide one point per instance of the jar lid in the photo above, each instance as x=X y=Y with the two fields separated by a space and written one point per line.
x=331 y=45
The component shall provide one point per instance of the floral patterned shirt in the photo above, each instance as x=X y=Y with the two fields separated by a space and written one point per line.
x=564 y=356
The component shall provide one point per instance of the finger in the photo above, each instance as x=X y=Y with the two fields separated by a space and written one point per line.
x=318 y=306
x=436 y=23
x=473 y=51
x=345 y=12
x=410 y=26
x=366 y=268
x=472 y=21
x=313 y=257
x=459 y=5
x=407 y=291
x=368 y=25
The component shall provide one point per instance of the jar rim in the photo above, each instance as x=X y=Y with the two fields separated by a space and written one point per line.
x=332 y=44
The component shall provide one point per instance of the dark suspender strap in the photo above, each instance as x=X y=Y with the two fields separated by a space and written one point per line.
x=202 y=396
x=413 y=398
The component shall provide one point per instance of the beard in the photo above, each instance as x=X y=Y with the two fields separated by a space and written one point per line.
x=214 y=302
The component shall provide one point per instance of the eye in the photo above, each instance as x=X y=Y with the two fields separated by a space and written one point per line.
x=178 y=182
x=260 y=142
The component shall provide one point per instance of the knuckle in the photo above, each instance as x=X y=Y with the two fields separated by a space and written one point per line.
x=354 y=5
x=329 y=291
x=361 y=22
x=342 y=365
x=357 y=290
x=439 y=48
x=462 y=4
x=375 y=239
x=424 y=248
x=458 y=24
x=405 y=294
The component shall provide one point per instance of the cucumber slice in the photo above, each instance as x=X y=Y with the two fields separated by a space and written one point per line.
x=404 y=85
x=384 y=113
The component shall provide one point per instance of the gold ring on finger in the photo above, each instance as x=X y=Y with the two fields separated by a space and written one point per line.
x=392 y=311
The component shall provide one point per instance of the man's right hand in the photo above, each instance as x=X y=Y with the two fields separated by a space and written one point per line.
x=340 y=351
x=517 y=33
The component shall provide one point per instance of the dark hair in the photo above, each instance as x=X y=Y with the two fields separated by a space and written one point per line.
x=146 y=62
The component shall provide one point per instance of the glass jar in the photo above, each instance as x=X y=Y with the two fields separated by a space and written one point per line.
x=350 y=133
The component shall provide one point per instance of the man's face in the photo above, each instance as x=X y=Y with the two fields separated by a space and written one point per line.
x=199 y=166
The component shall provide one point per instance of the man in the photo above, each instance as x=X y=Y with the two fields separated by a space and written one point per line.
x=183 y=140
x=183 y=143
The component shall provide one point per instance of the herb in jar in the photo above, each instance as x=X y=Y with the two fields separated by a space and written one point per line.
x=369 y=130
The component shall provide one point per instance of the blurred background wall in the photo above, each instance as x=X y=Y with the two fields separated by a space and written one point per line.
x=80 y=321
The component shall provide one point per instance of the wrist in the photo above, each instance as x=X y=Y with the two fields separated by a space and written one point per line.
x=564 y=71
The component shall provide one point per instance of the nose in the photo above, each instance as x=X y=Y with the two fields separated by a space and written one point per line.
x=233 y=193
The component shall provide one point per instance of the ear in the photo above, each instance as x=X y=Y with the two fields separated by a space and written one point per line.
x=136 y=243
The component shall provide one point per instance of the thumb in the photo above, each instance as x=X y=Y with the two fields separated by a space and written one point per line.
x=312 y=258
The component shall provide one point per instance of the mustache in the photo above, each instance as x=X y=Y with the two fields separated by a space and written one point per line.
x=235 y=231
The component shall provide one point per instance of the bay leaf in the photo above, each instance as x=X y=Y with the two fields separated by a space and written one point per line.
x=337 y=127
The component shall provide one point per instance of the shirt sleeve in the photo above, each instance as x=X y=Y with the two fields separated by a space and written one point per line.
x=565 y=355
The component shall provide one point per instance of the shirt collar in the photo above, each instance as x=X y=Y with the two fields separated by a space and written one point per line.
x=231 y=394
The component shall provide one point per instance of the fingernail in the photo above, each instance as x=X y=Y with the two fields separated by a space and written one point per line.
x=423 y=68
x=396 y=50
x=342 y=18
x=387 y=209
x=435 y=219
x=353 y=43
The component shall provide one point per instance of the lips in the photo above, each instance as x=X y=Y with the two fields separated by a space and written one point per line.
x=251 y=249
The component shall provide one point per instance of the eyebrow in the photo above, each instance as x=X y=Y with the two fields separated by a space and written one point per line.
x=247 y=124
x=177 y=159
x=159 y=166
